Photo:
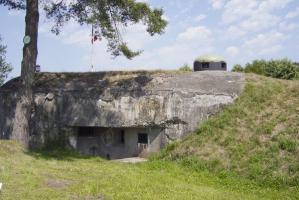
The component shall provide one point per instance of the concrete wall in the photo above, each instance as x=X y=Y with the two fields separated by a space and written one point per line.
x=106 y=142
x=7 y=113
x=176 y=103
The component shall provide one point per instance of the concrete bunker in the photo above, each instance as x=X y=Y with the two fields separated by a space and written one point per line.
x=203 y=63
x=117 y=114
x=116 y=143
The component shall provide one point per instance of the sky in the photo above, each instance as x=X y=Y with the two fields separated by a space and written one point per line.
x=238 y=30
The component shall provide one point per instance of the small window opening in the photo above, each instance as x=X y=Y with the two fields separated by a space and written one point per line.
x=142 y=138
x=86 y=132
x=205 y=65
x=122 y=136
x=223 y=65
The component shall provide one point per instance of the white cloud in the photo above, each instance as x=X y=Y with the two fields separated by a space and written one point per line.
x=232 y=51
x=189 y=44
x=235 y=31
x=269 y=5
x=253 y=16
x=194 y=34
x=217 y=4
x=293 y=14
x=260 y=21
x=137 y=37
x=263 y=44
x=72 y=33
x=200 y=17
x=165 y=17
x=235 y=10
x=185 y=48
x=287 y=26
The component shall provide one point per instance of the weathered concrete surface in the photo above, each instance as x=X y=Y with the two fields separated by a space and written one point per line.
x=133 y=160
x=175 y=102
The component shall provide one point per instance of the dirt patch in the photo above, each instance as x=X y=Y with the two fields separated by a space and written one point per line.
x=57 y=184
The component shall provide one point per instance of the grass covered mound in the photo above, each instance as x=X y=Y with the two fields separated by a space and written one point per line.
x=256 y=138
x=65 y=175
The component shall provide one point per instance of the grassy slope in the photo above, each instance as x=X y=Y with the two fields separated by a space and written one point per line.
x=40 y=176
x=256 y=138
x=249 y=151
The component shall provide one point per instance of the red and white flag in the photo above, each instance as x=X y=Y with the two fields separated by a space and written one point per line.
x=95 y=34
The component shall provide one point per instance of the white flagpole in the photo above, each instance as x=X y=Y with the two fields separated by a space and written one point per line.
x=91 y=54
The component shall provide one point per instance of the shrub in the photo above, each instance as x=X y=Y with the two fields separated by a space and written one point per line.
x=185 y=68
x=238 y=68
x=257 y=67
x=284 y=69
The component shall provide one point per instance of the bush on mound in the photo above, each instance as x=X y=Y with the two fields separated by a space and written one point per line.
x=281 y=68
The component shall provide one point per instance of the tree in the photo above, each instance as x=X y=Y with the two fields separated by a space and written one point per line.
x=108 y=15
x=5 y=67
x=238 y=68
x=185 y=68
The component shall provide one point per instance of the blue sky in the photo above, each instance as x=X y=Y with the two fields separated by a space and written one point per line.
x=239 y=30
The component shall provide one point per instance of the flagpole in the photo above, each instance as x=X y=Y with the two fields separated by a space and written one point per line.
x=91 y=54
x=92 y=68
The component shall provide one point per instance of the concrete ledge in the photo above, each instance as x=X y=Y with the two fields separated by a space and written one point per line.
x=131 y=160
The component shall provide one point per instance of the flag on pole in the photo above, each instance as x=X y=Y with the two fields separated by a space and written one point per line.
x=95 y=34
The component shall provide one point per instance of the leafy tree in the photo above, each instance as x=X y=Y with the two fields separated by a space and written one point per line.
x=5 y=67
x=257 y=67
x=238 y=68
x=185 y=68
x=109 y=15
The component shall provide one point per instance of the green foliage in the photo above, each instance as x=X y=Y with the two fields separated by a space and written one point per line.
x=127 y=52
x=284 y=69
x=5 y=67
x=281 y=68
x=238 y=68
x=110 y=16
x=257 y=67
x=185 y=68
x=14 y=4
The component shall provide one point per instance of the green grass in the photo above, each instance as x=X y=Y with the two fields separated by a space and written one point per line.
x=256 y=138
x=66 y=175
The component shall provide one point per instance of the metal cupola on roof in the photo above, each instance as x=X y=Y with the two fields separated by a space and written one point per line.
x=209 y=62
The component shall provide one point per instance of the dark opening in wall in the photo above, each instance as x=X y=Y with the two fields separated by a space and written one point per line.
x=205 y=65
x=142 y=138
x=223 y=65
x=122 y=136
x=86 y=132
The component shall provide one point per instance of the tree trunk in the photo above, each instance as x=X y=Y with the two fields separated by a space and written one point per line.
x=21 y=128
